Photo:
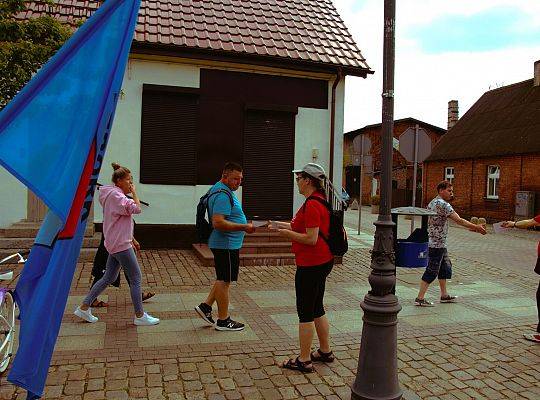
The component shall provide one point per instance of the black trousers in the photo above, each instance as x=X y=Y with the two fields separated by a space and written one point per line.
x=537 y=270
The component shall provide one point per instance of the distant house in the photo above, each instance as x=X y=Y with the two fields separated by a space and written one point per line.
x=257 y=82
x=402 y=174
x=492 y=153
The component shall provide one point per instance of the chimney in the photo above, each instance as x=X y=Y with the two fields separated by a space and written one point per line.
x=453 y=113
x=537 y=73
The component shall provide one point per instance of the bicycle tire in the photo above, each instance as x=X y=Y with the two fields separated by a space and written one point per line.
x=7 y=331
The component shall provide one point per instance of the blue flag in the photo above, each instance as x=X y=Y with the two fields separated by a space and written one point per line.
x=53 y=136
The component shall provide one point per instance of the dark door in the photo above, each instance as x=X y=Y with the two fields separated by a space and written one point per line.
x=267 y=192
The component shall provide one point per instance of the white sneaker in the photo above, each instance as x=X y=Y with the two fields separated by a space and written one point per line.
x=86 y=315
x=146 y=319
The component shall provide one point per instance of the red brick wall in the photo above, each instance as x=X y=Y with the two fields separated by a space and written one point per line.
x=470 y=184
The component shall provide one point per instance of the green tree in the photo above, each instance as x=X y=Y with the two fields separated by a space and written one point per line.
x=25 y=45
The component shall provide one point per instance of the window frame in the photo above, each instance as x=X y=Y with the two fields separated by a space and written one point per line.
x=492 y=182
x=449 y=177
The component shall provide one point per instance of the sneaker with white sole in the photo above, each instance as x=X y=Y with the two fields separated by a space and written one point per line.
x=86 y=315
x=145 y=320
x=228 y=325
x=533 y=337
x=423 y=303
x=205 y=312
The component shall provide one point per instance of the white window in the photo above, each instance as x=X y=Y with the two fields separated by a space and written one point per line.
x=493 y=173
x=449 y=174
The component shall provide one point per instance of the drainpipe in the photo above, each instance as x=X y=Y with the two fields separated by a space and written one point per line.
x=333 y=122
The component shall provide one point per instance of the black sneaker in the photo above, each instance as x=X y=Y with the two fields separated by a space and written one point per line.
x=228 y=325
x=205 y=312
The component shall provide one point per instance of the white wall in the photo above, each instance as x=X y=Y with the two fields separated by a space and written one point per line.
x=312 y=131
x=168 y=204
x=13 y=199
x=176 y=204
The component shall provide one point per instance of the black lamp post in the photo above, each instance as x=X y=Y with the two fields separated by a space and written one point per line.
x=376 y=376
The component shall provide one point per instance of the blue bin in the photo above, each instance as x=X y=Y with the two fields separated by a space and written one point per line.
x=411 y=254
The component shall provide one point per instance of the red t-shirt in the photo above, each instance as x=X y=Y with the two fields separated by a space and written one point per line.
x=313 y=215
x=537 y=219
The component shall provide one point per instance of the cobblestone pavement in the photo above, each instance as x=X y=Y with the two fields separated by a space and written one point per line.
x=473 y=349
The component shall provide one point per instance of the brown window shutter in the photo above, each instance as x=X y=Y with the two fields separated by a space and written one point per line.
x=267 y=192
x=168 y=137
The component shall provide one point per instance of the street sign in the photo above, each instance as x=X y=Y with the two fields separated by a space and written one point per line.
x=406 y=145
x=359 y=147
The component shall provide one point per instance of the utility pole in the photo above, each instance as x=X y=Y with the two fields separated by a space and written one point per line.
x=376 y=376
x=415 y=170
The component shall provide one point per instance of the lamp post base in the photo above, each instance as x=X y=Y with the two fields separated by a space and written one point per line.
x=376 y=376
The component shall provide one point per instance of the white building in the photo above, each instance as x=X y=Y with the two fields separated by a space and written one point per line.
x=257 y=82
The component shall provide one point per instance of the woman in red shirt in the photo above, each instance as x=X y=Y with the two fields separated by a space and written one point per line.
x=527 y=223
x=314 y=262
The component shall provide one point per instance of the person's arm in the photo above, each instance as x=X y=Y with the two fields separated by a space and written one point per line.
x=526 y=223
x=134 y=195
x=463 y=222
x=221 y=224
x=309 y=238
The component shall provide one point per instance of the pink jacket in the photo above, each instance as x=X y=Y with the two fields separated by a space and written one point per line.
x=117 y=221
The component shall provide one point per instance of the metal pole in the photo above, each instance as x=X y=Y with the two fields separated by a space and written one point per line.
x=361 y=183
x=376 y=376
x=415 y=160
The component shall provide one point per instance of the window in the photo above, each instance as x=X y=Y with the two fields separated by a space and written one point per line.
x=493 y=173
x=168 y=136
x=449 y=174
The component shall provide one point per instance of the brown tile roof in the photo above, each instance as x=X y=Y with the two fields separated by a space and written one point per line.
x=306 y=31
x=502 y=122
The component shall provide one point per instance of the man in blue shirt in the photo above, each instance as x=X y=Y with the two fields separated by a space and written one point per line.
x=230 y=226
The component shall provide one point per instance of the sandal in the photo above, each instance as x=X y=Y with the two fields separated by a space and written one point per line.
x=298 y=365
x=147 y=295
x=322 y=357
x=99 y=304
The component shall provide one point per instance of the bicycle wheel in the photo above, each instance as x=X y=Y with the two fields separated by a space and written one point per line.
x=7 y=330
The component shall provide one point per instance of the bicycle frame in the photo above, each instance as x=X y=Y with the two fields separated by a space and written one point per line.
x=7 y=319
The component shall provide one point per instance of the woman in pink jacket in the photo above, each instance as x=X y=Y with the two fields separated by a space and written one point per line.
x=118 y=232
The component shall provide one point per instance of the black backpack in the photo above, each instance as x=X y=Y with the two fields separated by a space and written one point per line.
x=337 y=237
x=202 y=224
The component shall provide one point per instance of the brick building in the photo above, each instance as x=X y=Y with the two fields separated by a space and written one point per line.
x=402 y=174
x=492 y=152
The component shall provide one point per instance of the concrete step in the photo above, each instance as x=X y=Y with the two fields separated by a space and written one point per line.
x=265 y=247
x=86 y=254
x=30 y=230
x=17 y=243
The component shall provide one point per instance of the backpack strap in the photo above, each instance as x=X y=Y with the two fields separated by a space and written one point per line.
x=323 y=202
x=218 y=192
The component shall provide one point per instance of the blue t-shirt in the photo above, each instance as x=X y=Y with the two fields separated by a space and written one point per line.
x=221 y=204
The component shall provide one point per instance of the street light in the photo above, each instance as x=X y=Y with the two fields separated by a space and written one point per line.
x=376 y=376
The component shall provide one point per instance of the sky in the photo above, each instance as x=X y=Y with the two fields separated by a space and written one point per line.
x=445 y=50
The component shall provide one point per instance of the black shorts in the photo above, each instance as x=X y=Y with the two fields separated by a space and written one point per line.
x=226 y=263
x=310 y=283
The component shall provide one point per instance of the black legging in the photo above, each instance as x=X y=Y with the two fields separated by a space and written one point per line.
x=537 y=270
x=538 y=306
x=310 y=283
